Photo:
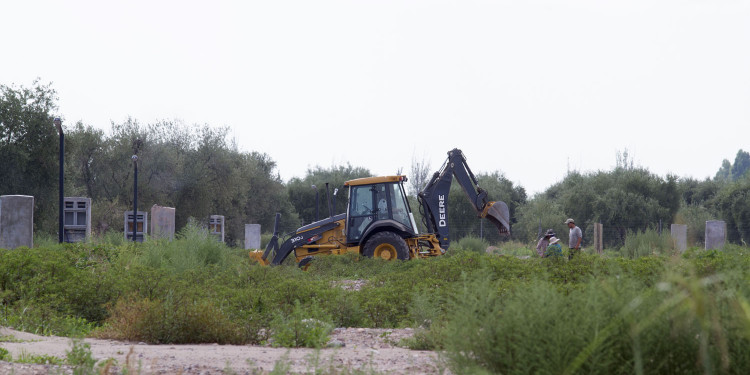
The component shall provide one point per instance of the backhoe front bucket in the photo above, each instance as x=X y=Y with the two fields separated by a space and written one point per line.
x=498 y=214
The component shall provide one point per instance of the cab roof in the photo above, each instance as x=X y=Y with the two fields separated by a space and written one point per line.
x=375 y=180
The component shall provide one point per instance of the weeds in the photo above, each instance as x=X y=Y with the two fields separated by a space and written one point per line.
x=639 y=310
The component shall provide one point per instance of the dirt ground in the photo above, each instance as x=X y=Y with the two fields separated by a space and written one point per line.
x=363 y=349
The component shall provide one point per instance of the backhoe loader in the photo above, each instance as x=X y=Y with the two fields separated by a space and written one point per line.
x=379 y=223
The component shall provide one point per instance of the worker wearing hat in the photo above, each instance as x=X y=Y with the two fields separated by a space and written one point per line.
x=575 y=238
x=554 y=249
x=543 y=242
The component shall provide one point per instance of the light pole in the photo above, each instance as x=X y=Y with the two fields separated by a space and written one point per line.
x=135 y=194
x=58 y=125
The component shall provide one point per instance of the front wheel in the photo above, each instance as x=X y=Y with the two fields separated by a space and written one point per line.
x=386 y=245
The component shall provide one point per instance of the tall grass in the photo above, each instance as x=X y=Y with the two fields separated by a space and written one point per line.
x=648 y=242
x=616 y=325
x=193 y=249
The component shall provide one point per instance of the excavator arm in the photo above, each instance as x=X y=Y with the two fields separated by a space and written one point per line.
x=433 y=199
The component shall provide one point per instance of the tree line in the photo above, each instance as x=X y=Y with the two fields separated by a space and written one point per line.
x=201 y=172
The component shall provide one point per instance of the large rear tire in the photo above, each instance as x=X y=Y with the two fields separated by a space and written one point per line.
x=386 y=245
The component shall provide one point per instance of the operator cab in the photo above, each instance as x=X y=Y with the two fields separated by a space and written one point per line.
x=373 y=199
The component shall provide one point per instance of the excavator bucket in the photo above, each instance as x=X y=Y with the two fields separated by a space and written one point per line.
x=498 y=214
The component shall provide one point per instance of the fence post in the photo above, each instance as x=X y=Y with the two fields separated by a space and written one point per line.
x=598 y=237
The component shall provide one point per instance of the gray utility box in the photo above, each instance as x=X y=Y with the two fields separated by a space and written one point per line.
x=216 y=226
x=76 y=219
x=141 y=223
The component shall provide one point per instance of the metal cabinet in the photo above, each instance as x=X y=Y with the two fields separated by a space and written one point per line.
x=76 y=219
x=216 y=226
x=141 y=222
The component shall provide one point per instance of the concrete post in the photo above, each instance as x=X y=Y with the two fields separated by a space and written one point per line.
x=252 y=236
x=16 y=221
x=679 y=237
x=716 y=234
x=162 y=222
x=598 y=237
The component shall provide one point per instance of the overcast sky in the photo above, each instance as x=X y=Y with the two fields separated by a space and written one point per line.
x=528 y=88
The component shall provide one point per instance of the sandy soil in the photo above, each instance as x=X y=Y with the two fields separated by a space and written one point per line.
x=364 y=349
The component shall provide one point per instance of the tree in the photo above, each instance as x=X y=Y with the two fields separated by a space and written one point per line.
x=421 y=172
x=28 y=148
x=302 y=194
x=733 y=172
x=462 y=215
x=622 y=200
x=536 y=216
x=741 y=165
x=734 y=204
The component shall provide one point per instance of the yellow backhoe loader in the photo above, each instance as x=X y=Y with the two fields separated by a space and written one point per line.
x=379 y=222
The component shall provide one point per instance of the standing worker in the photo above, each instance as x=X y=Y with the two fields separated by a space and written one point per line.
x=575 y=239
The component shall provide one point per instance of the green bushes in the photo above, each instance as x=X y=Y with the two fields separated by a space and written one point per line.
x=648 y=242
x=172 y=320
x=645 y=313
x=612 y=325
x=301 y=328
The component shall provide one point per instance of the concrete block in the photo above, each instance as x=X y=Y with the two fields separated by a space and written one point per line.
x=716 y=234
x=76 y=219
x=679 y=236
x=16 y=221
x=252 y=236
x=216 y=226
x=162 y=222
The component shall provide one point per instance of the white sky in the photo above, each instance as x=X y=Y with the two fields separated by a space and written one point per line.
x=528 y=88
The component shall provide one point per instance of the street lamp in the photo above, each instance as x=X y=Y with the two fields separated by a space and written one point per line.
x=58 y=125
x=135 y=194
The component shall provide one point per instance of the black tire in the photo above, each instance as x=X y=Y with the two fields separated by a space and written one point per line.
x=384 y=245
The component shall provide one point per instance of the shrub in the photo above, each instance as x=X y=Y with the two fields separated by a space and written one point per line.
x=648 y=242
x=174 y=320
x=612 y=325
x=471 y=243
x=303 y=327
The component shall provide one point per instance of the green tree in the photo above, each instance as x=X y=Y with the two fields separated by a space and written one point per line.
x=462 y=215
x=28 y=148
x=741 y=164
x=302 y=194
x=622 y=200
x=536 y=216
x=733 y=202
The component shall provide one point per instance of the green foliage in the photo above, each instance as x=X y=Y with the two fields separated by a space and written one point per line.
x=174 y=320
x=609 y=326
x=194 y=249
x=462 y=216
x=734 y=171
x=647 y=243
x=623 y=199
x=302 y=195
x=734 y=204
x=695 y=217
x=301 y=328
x=471 y=243
x=79 y=356
x=535 y=217
x=29 y=147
